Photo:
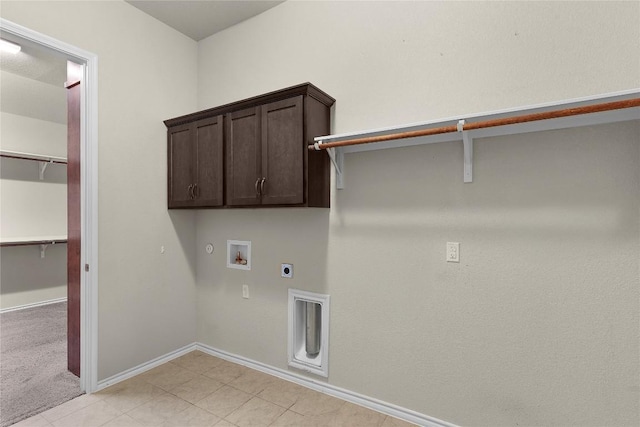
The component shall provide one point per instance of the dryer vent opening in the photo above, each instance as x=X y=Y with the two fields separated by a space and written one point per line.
x=313 y=328
x=308 y=331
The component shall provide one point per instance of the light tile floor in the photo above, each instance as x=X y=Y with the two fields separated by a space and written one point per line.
x=201 y=390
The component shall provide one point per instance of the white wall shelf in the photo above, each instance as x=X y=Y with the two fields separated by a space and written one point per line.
x=43 y=160
x=42 y=241
x=467 y=136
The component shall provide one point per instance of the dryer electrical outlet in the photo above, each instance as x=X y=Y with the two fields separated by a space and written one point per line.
x=286 y=271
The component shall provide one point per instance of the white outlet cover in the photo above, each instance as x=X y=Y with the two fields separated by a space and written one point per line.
x=453 y=252
x=286 y=271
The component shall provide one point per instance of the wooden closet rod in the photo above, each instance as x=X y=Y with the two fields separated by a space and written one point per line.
x=595 y=108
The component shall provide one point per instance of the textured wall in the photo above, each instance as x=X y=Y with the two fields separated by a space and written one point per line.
x=538 y=323
x=146 y=74
x=28 y=206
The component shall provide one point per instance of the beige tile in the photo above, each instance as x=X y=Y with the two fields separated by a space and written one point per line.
x=394 y=422
x=224 y=423
x=130 y=394
x=197 y=362
x=289 y=419
x=315 y=403
x=168 y=376
x=292 y=419
x=224 y=401
x=71 y=406
x=159 y=409
x=35 y=421
x=192 y=417
x=94 y=415
x=256 y=412
x=123 y=420
x=196 y=389
x=253 y=382
x=350 y=415
x=283 y=393
x=225 y=372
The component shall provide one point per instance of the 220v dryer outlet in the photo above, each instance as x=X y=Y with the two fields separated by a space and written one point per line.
x=286 y=271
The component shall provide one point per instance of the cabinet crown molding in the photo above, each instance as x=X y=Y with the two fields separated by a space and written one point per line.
x=306 y=89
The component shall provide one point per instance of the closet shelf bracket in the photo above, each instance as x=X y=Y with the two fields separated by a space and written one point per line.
x=595 y=110
x=467 y=142
x=43 y=249
x=42 y=166
x=337 y=158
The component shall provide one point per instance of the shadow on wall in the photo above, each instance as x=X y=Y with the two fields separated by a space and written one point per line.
x=24 y=272
x=256 y=327
x=27 y=170
x=297 y=236
x=184 y=225
x=561 y=183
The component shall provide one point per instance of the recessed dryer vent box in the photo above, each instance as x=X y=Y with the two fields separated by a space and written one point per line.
x=239 y=254
x=308 y=343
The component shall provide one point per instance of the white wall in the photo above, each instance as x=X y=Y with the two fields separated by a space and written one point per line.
x=30 y=207
x=24 y=96
x=538 y=323
x=28 y=279
x=146 y=74
x=26 y=134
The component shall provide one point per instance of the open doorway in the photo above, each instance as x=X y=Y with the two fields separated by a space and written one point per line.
x=48 y=123
x=40 y=308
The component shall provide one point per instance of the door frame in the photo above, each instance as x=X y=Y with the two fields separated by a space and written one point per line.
x=88 y=196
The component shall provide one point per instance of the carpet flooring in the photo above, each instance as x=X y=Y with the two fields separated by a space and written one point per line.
x=33 y=362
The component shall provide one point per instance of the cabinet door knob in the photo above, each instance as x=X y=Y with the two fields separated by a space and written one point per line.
x=190 y=191
x=257 y=190
x=262 y=185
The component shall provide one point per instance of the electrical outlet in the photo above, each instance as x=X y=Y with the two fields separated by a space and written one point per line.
x=245 y=291
x=286 y=271
x=453 y=252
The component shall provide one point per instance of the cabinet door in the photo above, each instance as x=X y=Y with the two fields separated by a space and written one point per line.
x=180 y=166
x=243 y=157
x=283 y=152
x=209 y=154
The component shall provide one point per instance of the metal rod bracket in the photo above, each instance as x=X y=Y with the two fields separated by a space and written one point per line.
x=467 y=143
x=42 y=166
x=337 y=158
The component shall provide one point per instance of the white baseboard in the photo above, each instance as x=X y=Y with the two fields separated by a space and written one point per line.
x=32 y=305
x=323 y=387
x=137 y=370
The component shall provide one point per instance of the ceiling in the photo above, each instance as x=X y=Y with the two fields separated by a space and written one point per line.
x=202 y=18
x=32 y=82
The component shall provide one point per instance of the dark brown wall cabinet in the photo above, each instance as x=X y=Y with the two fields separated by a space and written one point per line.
x=196 y=163
x=252 y=152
